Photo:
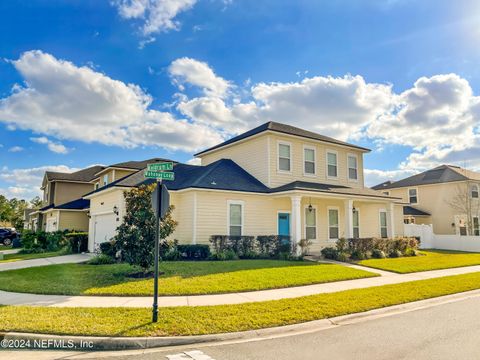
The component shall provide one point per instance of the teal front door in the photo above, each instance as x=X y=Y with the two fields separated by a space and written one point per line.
x=284 y=224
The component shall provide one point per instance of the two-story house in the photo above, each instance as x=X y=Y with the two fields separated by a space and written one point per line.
x=63 y=206
x=446 y=197
x=274 y=179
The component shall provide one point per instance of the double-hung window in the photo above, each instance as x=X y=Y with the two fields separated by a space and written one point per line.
x=235 y=217
x=412 y=196
x=309 y=161
x=474 y=191
x=352 y=167
x=383 y=224
x=356 y=224
x=332 y=166
x=310 y=223
x=284 y=157
x=333 y=229
x=105 y=179
x=476 y=226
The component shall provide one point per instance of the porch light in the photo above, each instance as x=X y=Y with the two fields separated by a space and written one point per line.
x=115 y=210
x=310 y=207
x=354 y=210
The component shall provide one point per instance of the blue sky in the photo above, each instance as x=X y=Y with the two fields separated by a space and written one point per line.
x=86 y=82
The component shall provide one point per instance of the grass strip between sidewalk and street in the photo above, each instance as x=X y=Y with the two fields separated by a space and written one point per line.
x=175 y=321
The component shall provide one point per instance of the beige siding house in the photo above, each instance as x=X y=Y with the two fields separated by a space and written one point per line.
x=447 y=197
x=274 y=179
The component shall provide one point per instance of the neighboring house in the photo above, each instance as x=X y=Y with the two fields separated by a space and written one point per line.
x=63 y=206
x=274 y=179
x=446 y=197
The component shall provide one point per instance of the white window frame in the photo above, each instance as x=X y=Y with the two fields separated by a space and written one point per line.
x=416 y=192
x=242 y=225
x=97 y=185
x=473 y=226
x=289 y=144
x=328 y=222
x=380 y=212
x=328 y=151
x=357 y=210
x=472 y=187
x=355 y=156
x=309 y=147
x=105 y=179
x=305 y=221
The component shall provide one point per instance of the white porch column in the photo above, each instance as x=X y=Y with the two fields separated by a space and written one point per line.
x=391 y=220
x=296 y=219
x=349 y=219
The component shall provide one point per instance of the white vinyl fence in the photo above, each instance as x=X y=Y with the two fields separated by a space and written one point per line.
x=429 y=240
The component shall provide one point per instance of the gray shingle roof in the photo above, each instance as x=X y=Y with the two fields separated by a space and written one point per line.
x=438 y=175
x=78 y=204
x=284 y=129
x=85 y=175
x=410 y=210
x=138 y=165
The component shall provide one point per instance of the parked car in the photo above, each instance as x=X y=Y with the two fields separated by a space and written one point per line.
x=7 y=236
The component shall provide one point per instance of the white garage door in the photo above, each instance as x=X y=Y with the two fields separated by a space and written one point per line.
x=105 y=226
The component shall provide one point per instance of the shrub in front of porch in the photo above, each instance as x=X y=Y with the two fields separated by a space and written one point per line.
x=364 y=248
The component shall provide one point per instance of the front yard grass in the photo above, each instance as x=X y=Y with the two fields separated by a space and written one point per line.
x=179 y=278
x=427 y=260
x=175 y=321
x=18 y=257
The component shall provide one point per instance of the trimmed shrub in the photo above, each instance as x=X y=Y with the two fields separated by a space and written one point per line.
x=395 y=254
x=194 y=252
x=330 y=253
x=108 y=248
x=342 y=256
x=378 y=254
x=101 y=259
x=411 y=252
x=41 y=241
x=78 y=242
x=224 y=255
x=272 y=245
x=358 y=255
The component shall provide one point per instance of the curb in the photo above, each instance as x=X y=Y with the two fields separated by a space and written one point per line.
x=30 y=341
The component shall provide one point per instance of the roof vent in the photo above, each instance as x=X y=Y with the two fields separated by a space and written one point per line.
x=213 y=182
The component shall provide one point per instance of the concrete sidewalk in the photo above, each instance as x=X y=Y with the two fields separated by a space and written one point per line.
x=8 y=298
x=65 y=259
x=9 y=251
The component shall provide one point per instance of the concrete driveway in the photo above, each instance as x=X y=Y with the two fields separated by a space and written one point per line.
x=65 y=259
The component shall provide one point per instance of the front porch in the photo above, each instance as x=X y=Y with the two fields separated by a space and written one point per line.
x=323 y=218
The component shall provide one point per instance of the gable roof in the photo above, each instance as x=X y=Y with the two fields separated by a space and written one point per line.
x=84 y=175
x=382 y=185
x=440 y=174
x=283 y=129
x=138 y=165
x=78 y=204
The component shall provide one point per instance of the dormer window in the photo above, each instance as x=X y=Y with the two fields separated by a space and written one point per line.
x=97 y=185
x=105 y=179
x=332 y=165
x=284 y=157
x=474 y=191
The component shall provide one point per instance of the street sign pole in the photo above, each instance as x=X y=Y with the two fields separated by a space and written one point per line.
x=157 y=249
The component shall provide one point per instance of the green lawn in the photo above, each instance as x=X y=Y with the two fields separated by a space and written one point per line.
x=180 y=278
x=18 y=257
x=428 y=260
x=176 y=321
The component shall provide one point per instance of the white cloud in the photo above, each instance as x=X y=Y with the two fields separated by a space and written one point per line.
x=55 y=147
x=198 y=73
x=26 y=182
x=375 y=177
x=156 y=15
x=78 y=103
x=15 y=149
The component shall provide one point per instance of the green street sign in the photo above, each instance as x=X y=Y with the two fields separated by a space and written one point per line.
x=160 y=175
x=166 y=166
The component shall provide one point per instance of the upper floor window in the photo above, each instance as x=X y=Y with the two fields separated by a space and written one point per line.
x=284 y=157
x=309 y=161
x=235 y=218
x=474 y=191
x=97 y=185
x=383 y=224
x=412 y=196
x=333 y=229
x=105 y=179
x=352 y=167
x=332 y=167
x=45 y=193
